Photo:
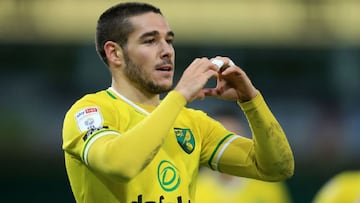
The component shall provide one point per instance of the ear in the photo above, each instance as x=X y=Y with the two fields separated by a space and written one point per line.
x=114 y=53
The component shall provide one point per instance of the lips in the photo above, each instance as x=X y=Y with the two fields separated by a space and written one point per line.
x=165 y=67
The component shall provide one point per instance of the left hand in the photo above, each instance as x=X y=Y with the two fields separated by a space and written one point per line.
x=232 y=84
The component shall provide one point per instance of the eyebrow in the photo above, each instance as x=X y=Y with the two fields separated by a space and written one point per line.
x=155 y=33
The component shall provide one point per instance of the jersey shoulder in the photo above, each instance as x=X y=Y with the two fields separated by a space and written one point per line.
x=100 y=98
x=194 y=114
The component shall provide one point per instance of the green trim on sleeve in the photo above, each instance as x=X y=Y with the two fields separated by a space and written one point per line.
x=91 y=140
x=216 y=149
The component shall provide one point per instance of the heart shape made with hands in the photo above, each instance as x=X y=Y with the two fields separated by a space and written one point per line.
x=223 y=87
x=221 y=66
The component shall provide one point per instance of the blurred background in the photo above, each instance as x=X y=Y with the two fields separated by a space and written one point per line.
x=304 y=55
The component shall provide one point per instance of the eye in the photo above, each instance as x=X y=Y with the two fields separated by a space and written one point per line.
x=149 y=41
x=170 y=41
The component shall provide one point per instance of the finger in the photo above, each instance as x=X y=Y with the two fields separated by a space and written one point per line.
x=232 y=70
x=204 y=64
x=201 y=95
x=222 y=62
x=211 y=74
x=218 y=62
x=210 y=92
x=226 y=60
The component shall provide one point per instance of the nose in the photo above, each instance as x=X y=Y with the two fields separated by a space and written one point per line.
x=167 y=50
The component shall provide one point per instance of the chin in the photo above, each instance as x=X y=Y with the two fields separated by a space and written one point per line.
x=166 y=85
x=159 y=88
x=166 y=88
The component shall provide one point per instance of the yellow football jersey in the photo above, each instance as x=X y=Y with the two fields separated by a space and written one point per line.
x=191 y=138
x=344 y=188
x=171 y=175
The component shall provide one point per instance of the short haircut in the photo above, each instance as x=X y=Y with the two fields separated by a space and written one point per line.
x=114 y=25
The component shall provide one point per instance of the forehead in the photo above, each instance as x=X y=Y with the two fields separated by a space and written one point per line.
x=149 y=22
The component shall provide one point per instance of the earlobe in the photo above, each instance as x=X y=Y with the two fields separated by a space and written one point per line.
x=113 y=52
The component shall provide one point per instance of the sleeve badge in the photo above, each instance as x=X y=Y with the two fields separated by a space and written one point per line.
x=89 y=118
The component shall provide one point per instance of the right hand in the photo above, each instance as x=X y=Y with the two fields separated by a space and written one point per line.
x=195 y=77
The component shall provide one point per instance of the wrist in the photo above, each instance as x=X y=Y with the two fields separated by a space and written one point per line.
x=179 y=96
x=248 y=97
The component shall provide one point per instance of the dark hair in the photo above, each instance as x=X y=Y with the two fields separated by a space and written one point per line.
x=114 y=24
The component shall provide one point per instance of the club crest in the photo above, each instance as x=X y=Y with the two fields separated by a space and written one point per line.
x=186 y=139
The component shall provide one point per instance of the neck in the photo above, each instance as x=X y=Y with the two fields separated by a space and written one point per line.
x=135 y=94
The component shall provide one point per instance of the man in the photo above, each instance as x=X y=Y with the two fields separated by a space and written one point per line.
x=124 y=144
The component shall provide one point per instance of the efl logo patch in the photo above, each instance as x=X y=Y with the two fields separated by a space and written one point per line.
x=89 y=118
x=185 y=139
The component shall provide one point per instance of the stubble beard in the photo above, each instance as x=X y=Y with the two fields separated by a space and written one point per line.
x=136 y=74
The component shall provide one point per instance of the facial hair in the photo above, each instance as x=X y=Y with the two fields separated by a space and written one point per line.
x=137 y=75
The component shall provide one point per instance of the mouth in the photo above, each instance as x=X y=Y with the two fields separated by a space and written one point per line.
x=165 y=67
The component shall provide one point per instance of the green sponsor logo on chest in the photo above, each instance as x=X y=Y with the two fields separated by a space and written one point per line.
x=168 y=176
x=186 y=139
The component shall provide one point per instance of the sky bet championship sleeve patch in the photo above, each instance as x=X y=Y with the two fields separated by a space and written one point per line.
x=89 y=118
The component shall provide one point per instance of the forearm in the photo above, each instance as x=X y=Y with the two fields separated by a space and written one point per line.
x=273 y=155
x=111 y=154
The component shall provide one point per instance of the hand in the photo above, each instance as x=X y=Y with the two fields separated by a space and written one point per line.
x=232 y=84
x=195 y=77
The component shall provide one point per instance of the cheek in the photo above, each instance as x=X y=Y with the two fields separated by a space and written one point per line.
x=143 y=58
